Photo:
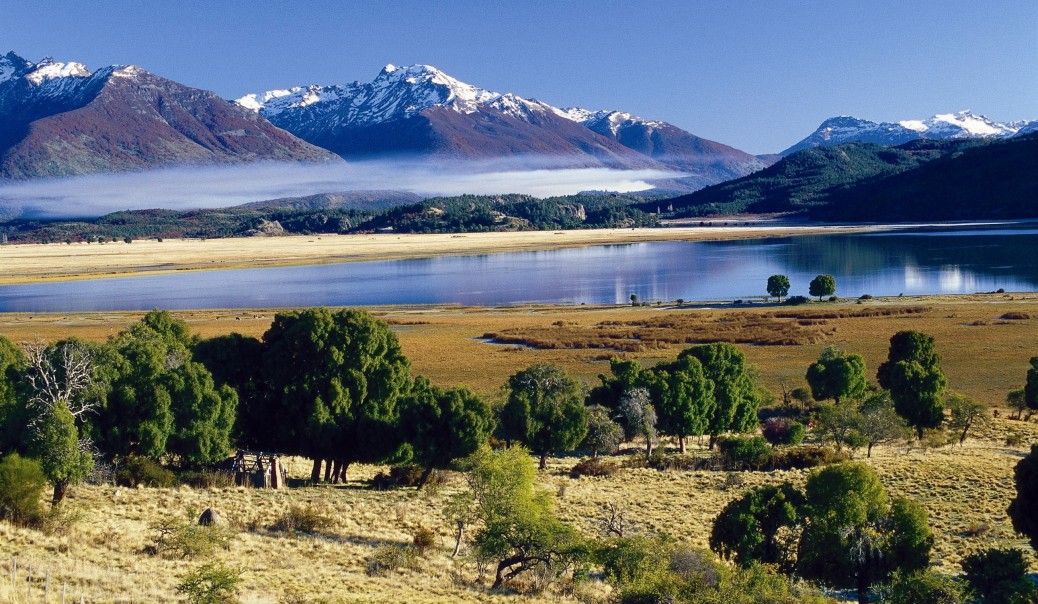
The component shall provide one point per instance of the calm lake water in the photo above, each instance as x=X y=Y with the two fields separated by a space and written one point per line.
x=948 y=260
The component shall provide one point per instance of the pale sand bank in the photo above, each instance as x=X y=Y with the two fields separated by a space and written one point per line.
x=30 y=263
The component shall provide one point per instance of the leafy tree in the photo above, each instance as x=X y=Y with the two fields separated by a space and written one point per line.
x=624 y=375
x=854 y=536
x=748 y=529
x=517 y=524
x=842 y=425
x=1023 y=510
x=443 y=425
x=545 y=411
x=634 y=299
x=966 y=414
x=837 y=375
x=999 y=576
x=683 y=397
x=55 y=441
x=640 y=416
x=1031 y=386
x=603 y=434
x=778 y=286
x=880 y=423
x=160 y=399
x=735 y=397
x=912 y=374
x=334 y=378
x=1016 y=400
x=822 y=285
x=237 y=361
x=12 y=363
x=923 y=587
x=21 y=482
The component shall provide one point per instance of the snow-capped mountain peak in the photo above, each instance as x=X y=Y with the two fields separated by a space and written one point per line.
x=49 y=69
x=12 y=66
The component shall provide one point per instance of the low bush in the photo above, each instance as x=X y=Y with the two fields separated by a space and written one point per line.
x=804 y=457
x=797 y=300
x=302 y=519
x=661 y=461
x=21 y=484
x=783 y=431
x=744 y=453
x=423 y=540
x=593 y=466
x=141 y=471
x=865 y=297
x=177 y=538
x=1015 y=316
x=406 y=476
x=389 y=558
x=999 y=576
x=923 y=586
x=211 y=583
x=207 y=479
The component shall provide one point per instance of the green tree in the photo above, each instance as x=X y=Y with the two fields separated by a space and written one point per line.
x=749 y=529
x=12 y=364
x=603 y=434
x=836 y=375
x=1023 y=510
x=443 y=425
x=545 y=411
x=912 y=374
x=334 y=379
x=517 y=523
x=683 y=398
x=854 y=537
x=161 y=400
x=880 y=423
x=842 y=425
x=1016 y=400
x=639 y=416
x=999 y=576
x=1031 y=385
x=778 y=286
x=822 y=285
x=237 y=361
x=966 y=414
x=735 y=397
x=55 y=442
x=623 y=376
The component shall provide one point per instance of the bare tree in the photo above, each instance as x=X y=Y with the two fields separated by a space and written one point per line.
x=60 y=374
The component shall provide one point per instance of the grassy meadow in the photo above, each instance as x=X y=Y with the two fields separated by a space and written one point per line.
x=101 y=555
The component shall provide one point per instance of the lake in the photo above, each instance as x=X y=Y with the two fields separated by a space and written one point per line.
x=924 y=261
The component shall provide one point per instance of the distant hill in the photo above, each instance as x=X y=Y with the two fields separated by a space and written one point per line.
x=919 y=180
x=993 y=181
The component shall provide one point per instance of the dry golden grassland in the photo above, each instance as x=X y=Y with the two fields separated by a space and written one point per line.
x=965 y=490
x=29 y=263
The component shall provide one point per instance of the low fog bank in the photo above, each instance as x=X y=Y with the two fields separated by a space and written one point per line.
x=185 y=188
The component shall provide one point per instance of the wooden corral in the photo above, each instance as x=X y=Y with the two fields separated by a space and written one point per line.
x=258 y=469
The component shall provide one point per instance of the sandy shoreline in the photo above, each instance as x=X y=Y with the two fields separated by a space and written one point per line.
x=33 y=263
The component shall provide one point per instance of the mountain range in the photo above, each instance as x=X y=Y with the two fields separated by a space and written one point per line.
x=421 y=110
x=943 y=126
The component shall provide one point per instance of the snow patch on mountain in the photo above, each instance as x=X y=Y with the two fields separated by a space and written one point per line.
x=49 y=69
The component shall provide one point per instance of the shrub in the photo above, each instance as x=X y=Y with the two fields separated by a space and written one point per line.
x=865 y=297
x=187 y=539
x=921 y=587
x=21 y=482
x=207 y=479
x=999 y=576
x=804 y=457
x=141 y=471
x=660 y=461
x=782 y=431
x=797 y=300
x=409 y=475
x=211 y=583
x=741 y=453
x=302 y=519
x=423 y=540
x=389 y=558
x=1015 y=316
x=593 y=466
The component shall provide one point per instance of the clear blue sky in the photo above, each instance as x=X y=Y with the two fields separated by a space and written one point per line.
x=756 y=75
